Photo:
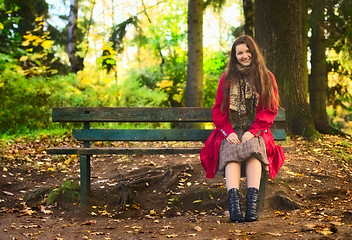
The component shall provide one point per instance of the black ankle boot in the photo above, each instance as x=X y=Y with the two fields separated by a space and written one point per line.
x=252 y=204
x=234 y=206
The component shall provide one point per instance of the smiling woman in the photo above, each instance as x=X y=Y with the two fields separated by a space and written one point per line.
x=242 y=145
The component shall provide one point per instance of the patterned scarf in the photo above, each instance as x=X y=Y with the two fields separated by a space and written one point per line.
x=243 y=97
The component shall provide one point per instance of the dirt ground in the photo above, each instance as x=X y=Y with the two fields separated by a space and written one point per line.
x=168 y=196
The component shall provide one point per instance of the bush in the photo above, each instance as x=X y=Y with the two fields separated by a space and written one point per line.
x=214 y=67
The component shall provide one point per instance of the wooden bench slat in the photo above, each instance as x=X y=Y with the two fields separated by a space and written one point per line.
x=117 y=114
x=141 y=134
x=111 y=114
x=279 y=134
x=152 y=134
x=103 y=151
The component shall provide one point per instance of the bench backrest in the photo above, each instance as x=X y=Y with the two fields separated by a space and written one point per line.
x=116 y=114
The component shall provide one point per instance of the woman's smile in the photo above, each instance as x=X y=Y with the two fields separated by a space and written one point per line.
x=243 y=55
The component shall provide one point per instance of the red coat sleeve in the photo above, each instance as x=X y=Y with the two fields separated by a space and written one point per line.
x=265 y=117
x=220 y=119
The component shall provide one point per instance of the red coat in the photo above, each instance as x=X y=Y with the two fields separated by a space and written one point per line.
x=263 y=121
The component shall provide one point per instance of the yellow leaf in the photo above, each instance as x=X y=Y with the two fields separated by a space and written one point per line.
x=165 y=84
x=30 y=37
x=47 y=44
x=1 y=26
x=136 y=206
x=325 y=231
x=197 y=201
x=26 y=43
x=39 y=19
x=51 y=169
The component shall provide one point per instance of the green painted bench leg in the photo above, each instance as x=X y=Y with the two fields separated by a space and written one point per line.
x=85 y=180
x=262 y=190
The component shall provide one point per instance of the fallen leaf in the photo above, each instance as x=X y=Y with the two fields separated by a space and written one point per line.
x=172 y=236
x=274 y=234
x=8 y=193
x=97 y=233
x=90 y=222
x=43 y=210
x=325 y=231
x=167 y=227
x=30 y=226
x=198 y=229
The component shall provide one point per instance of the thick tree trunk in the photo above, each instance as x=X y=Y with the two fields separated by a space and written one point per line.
x=279 y=32
x=248 y=11
x=318 y=81
x=75 y=60
x=194 y=81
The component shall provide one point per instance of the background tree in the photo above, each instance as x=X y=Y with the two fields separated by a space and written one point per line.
x=194 y=86
x=248 y=12
x=75 y=60
x=318 y=79
x=279 y=32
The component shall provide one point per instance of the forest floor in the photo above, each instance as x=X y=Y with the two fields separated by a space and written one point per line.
x=168 y=196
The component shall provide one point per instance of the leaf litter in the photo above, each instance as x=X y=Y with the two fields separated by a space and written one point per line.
x=316 y=175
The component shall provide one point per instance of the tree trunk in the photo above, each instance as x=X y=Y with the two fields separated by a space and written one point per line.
x=75 y=60
x=248 y=12
x=279 y=32
x=318 y=81
x=194 y=81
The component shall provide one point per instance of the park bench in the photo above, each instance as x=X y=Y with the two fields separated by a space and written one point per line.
x=181 y=115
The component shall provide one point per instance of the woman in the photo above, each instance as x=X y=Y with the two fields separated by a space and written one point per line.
x=245 y=108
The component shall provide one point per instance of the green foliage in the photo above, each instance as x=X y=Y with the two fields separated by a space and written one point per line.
x=9 y=39
x=26 y=103
x=214 y=67
x=134 y=92
x=166 y=45
x=174 y=80
x=69 y=191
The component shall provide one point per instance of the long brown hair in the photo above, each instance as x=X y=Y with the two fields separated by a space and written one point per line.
x=258 y=74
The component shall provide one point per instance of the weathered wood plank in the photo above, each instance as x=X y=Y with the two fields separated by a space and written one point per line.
x=108 y=151
x=141 y=134
x=279 y=134
x=152 y=134
x=107 y=114
x=117 y=114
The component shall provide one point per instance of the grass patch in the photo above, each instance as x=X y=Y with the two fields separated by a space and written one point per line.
x=68 y=191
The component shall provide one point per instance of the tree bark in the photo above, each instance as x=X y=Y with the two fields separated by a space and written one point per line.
x=75 y=60
x=318 y=81
x=279 y=33
x=248 y=11
x=194 y=81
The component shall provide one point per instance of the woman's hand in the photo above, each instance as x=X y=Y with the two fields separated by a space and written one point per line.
x=247 y=136
x=233 y=138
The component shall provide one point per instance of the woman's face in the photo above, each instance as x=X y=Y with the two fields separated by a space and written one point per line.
x=243 y=55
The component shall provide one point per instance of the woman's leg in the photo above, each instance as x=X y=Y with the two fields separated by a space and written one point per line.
x=233 y=175
x=253 y=172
